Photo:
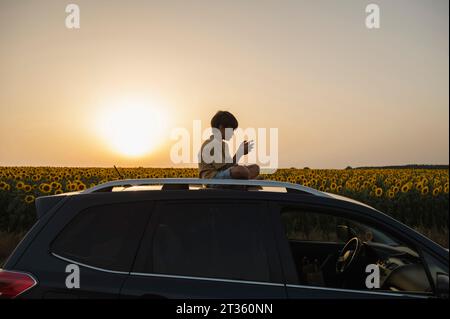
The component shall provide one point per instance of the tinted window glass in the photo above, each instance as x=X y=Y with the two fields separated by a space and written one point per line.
x=310 y=226
x=104 y=236
x=220 y=240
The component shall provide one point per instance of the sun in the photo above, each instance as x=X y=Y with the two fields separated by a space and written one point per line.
x=132 y=127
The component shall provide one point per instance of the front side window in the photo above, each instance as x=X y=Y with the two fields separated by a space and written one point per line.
x=336 y=252
x=104 y=236
x=317 y=227
x=209 y=240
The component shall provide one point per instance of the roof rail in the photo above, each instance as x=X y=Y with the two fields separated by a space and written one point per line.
x=108 y=186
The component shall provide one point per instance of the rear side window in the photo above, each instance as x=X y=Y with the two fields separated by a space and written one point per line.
x=104 y=236
x=220 y=240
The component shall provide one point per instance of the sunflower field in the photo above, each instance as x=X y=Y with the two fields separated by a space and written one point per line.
x=416 y=197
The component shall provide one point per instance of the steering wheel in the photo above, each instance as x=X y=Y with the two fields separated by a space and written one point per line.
x=348 y=255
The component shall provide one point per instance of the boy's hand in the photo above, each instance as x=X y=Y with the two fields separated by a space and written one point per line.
x=243 y=149
x=247 y=147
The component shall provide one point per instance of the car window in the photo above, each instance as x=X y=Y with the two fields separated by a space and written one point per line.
x=213 y=240
x=104 y=236
x=329 y=228
x=316 y=240
x=310 y=227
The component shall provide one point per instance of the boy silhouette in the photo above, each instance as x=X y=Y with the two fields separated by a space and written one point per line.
x=215 y=160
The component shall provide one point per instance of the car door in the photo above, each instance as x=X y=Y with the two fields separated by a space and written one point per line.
x=207 y=249
x=315 y=233
x=91 y=251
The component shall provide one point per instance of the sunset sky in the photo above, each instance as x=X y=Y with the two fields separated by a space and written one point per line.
x=340 y=94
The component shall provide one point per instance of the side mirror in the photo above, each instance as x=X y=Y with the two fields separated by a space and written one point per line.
x=344 y=233
x=442 y=285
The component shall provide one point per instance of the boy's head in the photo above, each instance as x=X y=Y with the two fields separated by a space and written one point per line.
x=224 y=120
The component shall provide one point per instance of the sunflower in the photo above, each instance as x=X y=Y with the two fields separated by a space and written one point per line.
x=45 y=188
x=20 y=185
x=55 y=185
x=391 y=194
x=436 y=191
x=425 y=190
x=378 y=192
x=27 y=188
x=29 y=199
x=405 y=188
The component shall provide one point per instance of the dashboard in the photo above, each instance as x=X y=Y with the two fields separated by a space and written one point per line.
x=400 y=269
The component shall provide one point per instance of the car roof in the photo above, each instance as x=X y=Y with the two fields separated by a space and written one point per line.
x=189 y=184
x=196 y=183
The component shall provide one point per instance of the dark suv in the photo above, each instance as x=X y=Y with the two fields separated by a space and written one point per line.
x=182 y=238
